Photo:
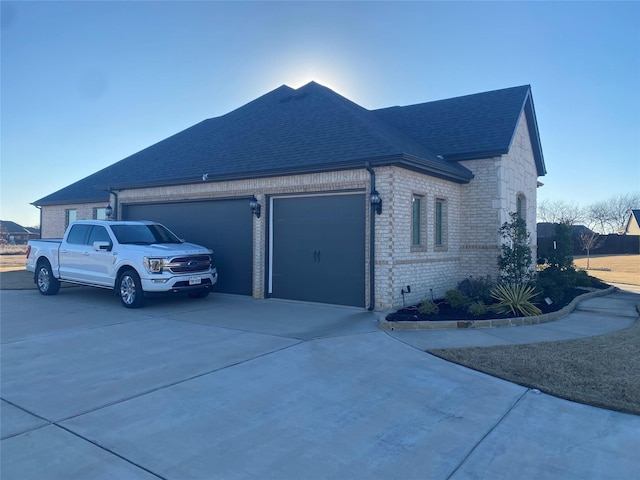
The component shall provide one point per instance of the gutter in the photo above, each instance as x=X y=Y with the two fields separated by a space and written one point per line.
x=372 y=241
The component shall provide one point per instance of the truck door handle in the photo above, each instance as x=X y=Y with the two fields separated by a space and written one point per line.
x=318 y=256
x=86 y=254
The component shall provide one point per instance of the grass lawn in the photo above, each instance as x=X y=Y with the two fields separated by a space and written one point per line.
x=602 y=371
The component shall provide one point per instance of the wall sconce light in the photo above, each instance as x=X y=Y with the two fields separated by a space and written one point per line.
x=108 y=211
x=255 y=206
x=376 y=201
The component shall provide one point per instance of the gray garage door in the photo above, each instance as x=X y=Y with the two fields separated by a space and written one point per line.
x=318 y=249
x=224 y=226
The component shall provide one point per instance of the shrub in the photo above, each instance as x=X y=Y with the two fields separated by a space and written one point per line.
x=477 y=308
x=428 y=307
x=456 y=299
x=554 y=282
x=477 y=289
x=515 y=260
x=583 y=279
x=515 y=299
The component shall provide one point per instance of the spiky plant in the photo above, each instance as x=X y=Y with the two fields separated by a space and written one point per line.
x=515 y=299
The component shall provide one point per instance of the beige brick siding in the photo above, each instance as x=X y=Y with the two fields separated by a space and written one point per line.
x=473 y=215
x=427 y=268
x=262 y=188
x=491 y=196
x=54 y=217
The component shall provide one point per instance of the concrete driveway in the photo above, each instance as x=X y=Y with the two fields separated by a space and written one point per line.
x=232 y=387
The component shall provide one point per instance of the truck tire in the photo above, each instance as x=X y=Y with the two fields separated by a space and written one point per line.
x=129 y=289
x=46 y=282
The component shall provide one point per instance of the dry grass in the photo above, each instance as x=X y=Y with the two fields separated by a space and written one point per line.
x=612 y=268
x=601 y=371
x=12 y=257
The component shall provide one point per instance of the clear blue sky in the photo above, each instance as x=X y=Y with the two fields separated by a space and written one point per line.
x=85 y=84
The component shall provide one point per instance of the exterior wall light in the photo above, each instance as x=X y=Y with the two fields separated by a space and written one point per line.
x=376 y=201
x=255 y=206
x=108 y=211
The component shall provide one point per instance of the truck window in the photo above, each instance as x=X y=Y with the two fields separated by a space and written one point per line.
x=78 y=234
x=99 y=234
x=143 y=234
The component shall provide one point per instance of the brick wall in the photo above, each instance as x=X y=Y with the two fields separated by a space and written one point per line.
x=473 y=215
x=489 y=199
x=54 y=218
x=427 y=268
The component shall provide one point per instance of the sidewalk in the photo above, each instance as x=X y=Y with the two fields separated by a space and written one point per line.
x=596 y=316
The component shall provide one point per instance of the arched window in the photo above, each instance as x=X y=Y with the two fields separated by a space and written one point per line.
x=521 y=206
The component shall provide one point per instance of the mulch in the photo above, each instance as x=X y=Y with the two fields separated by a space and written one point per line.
x=446 y=312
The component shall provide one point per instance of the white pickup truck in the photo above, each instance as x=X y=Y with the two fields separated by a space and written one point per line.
x=129 y=257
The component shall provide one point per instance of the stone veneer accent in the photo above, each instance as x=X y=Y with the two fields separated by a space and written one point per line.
x=474 y=213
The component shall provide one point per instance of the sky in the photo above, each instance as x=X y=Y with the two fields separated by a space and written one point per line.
x=86 y=84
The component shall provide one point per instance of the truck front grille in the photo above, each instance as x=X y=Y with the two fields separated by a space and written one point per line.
x=191 y=264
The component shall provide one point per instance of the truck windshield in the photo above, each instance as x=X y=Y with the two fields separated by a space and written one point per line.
x=143 y=234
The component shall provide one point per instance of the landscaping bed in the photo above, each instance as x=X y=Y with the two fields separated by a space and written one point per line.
x=447 y=312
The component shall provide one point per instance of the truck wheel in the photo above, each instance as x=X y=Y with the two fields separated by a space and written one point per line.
x=130 y=289
x=46 y=282
x=199 y=294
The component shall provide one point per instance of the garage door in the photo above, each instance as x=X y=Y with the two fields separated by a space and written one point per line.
x=318 y=249
x=224 y=226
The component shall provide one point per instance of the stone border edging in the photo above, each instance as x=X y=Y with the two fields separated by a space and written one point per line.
x=500 y=322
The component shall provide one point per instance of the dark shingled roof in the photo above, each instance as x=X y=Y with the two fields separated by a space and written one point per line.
x=291 y=131
x=12 y=227
x=470 y=127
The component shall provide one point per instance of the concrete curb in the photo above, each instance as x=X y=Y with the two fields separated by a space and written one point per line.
x=502 y=322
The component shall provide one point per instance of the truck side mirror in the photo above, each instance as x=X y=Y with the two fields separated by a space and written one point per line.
x=98 y=246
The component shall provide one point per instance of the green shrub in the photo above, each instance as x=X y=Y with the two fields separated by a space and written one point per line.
x=515 y=299
x=583 y=279
x=477 y=289
x=554 y=282
x=515 y=260
x=428 y=307
x=456 y=299
x=477 y=308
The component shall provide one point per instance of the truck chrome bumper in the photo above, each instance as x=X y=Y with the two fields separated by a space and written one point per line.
x=179 y=283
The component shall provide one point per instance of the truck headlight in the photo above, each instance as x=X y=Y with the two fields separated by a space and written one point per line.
x=153 y=265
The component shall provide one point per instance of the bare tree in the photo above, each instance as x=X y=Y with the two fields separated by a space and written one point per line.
x=608 y=216
x=559 y=211
x=590 y=240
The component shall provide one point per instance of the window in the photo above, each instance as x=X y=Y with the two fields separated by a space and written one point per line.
x=521 y=206
x=99 y=234
x=70 y=217
x=440 y=223
x=416 y=222
x=100 y=213
x=78 y=234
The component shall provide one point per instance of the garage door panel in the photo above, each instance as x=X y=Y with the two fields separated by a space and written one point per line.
x=224 y=226
x=318 y=249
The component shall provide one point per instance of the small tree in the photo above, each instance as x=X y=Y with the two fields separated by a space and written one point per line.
x=562 y=254
x=590 y=240
x=515 y=260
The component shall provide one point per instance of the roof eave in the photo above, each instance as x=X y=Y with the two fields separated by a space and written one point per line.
x=49 y=203
x=458 y=175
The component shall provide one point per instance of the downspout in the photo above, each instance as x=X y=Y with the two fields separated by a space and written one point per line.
x=372 y=241
x=114 y=216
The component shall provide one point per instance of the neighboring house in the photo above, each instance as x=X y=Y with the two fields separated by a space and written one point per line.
x=349 y=205
x=13 y=233
x=632 y=225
